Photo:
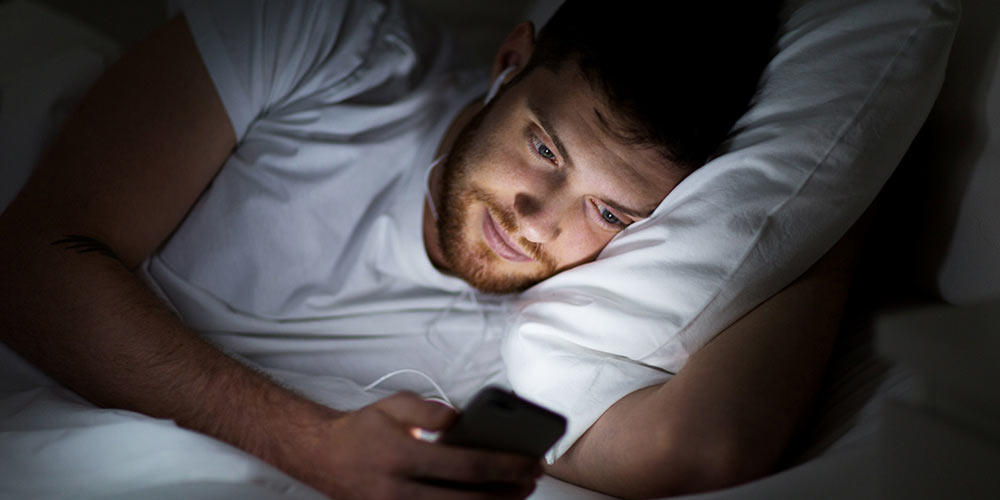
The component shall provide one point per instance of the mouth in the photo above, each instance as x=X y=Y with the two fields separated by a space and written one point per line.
x=499 y=241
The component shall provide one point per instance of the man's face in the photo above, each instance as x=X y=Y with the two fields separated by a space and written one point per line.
x=536 y=184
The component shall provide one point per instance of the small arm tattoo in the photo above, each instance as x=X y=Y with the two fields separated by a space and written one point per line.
x=84 y=244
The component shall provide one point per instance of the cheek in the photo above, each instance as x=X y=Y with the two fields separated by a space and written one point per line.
x=495 y=171
x=581 y=244
x=496 y=163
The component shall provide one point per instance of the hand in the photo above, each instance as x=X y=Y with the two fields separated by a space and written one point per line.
x=371 y=453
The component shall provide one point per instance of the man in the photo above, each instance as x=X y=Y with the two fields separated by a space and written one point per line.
x=211 y=175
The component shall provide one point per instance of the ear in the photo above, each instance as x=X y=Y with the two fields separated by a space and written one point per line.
x=515 y=50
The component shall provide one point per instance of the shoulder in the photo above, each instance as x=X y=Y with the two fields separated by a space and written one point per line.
x=267 y=57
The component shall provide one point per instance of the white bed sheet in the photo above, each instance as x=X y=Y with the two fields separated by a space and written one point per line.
x=54 y=444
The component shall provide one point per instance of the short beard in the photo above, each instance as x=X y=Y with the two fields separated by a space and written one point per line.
x=472 y=263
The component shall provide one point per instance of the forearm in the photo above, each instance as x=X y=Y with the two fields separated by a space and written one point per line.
x=86 y=320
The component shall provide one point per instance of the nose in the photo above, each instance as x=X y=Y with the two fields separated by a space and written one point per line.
x=538 y=217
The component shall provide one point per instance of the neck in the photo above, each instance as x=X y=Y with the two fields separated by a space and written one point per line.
x=432 y=241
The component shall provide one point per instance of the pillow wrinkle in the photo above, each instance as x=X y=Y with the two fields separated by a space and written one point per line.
x=853 y=123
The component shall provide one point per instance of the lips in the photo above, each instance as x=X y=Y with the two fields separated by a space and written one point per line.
x=499 y=241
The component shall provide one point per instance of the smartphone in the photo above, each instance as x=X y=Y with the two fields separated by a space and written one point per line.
x=499 y=420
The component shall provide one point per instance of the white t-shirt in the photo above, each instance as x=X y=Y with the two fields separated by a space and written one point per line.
x=305 y=255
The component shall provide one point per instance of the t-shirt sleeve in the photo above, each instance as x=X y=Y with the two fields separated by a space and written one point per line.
x=265 y=55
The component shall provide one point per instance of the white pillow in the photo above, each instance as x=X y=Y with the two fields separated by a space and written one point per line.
x=840 y=102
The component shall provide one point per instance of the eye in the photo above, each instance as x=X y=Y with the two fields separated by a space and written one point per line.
x=542 y=149
x=607 y=218
x=610 y=217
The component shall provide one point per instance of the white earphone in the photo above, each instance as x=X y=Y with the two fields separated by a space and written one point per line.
x=498 y=83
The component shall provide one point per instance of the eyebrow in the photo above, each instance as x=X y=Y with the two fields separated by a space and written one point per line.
x=550 y=129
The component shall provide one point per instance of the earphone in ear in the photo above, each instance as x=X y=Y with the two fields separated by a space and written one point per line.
x=498 y=83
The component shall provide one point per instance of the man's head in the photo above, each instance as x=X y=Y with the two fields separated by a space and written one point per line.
x=612 y=107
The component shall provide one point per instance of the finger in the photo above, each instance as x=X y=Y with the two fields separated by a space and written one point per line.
x=469 y=465
x=412 y=410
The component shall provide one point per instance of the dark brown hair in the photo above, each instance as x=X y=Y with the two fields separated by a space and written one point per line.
x=677 y=74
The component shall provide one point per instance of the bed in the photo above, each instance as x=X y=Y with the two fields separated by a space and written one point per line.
x=904 y=412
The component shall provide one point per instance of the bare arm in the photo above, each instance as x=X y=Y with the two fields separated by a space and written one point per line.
x=129 y=164
x=727 y=416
